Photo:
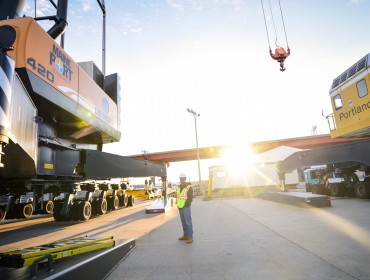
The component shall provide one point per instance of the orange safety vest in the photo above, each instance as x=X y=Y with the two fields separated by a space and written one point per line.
x=182 y=196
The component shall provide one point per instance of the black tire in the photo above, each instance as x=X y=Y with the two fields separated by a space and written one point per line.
x=74 y=211
x=109 y=202
x=337 y=190
x=25 y=211
x=362 y=190
x=84 y=210
x=56 y=212
x=14 y=212
x=318 y=189
x=101 y=206
x=48 y=207
x=94 y=210
x=129 y=201
x=122 y=200
x=10 y=214
x=113 y=202
x=2 y=213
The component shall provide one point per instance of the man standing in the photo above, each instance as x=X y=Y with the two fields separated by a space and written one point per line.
x=183 y=201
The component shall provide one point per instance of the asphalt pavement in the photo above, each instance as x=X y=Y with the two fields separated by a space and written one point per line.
x=252 y=238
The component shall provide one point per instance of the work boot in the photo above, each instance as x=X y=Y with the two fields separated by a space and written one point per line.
x=189 y=241
x=183 y=238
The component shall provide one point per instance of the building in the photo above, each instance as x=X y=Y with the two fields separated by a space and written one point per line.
x=261 y=173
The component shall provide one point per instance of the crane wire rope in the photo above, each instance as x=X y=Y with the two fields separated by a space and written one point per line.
x=282 y=17
x=264 y=17
x=273 y=22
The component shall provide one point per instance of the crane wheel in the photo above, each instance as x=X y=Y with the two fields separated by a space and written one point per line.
x=73 y=211
x=122 y=200
x=362 y=190
x=84 y=210
x=56 y=212
x=129 y=201
x=48 y=207
x=113 y=202
x=26 y=211
x=337 y=190
x=100 y=206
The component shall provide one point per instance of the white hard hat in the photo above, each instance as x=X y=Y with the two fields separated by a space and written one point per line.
x=182 y=175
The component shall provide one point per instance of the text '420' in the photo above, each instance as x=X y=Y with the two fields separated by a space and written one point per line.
x=41 y=70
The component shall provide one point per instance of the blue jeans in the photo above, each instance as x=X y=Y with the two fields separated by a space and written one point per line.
x=187 y=225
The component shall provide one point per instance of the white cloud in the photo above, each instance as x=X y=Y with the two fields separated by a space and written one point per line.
x=182 y=5
x=199 y=5
x=356 y=1
x=176 y=4
x=130 y=24
x=88 y=5
x=136 y=30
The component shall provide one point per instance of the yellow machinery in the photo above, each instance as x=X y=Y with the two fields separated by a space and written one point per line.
x=143 y=194
x=138 y=193
x=52 y=260
x=57 y=250
x=350 y=100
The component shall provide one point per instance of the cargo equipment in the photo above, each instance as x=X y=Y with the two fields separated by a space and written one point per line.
x=55 y=117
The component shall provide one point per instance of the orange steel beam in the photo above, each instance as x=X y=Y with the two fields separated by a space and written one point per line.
x=307 y=142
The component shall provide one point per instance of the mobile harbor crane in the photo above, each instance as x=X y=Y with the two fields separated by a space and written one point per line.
x=55 y=117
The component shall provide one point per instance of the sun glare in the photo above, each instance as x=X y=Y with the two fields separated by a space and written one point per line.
x=238 y=158
x=356 y=233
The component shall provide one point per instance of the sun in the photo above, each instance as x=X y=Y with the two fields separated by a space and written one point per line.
x=238 y=158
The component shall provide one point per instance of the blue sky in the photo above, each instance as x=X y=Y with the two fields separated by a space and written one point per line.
x=212 y=56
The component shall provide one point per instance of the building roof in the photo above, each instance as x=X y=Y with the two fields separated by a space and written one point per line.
x=274 y=155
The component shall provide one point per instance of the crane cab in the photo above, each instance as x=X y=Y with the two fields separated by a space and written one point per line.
x=350 y=99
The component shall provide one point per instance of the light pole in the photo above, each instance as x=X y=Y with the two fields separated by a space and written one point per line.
x=196 y=115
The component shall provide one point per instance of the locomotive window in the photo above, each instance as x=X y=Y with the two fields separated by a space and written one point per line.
x=338 y=102
x=361 y=88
